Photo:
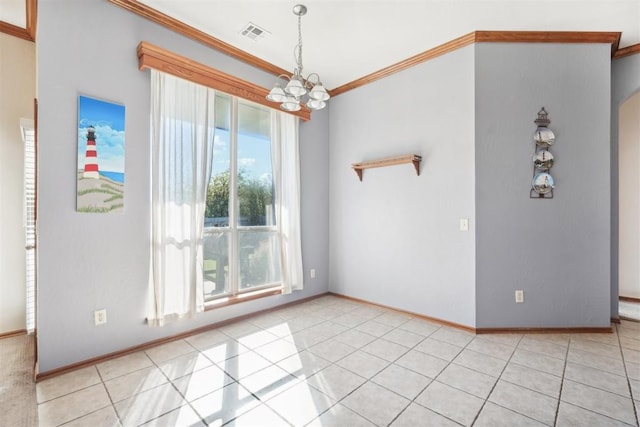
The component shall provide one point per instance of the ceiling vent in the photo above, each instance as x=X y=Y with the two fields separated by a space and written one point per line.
x=253 y=32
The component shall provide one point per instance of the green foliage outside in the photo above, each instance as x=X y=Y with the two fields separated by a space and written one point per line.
x=255 y=200
x=254 y=197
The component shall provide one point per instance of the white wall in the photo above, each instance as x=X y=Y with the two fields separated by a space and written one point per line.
x=17 y=91
x=629 y=186
x=625 y=81
x=395 y=236
x=94 y=261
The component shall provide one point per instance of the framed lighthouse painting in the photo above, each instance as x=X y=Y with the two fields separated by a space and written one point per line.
x=100 y=187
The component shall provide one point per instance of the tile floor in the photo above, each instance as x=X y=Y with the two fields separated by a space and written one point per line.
x=334 y=362
x=629 y=310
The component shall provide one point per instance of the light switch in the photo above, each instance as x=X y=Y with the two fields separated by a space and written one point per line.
x=464 y=224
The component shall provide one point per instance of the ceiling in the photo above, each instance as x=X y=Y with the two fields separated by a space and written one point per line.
x=14 y=12
x=348 y=39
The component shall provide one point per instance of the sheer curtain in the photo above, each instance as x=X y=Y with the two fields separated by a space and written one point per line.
x=286 y=171
x=182 y=132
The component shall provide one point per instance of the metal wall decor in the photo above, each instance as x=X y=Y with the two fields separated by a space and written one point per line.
x=542 y=183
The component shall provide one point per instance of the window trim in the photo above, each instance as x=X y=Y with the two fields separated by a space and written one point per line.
x=151 y=56
x=244 y=297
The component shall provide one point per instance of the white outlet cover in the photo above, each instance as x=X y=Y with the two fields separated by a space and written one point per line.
x=100 y=317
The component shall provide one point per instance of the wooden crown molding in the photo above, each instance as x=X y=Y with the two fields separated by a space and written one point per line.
x=407 y=63
x=32 y=18
x=150 y=56
x=14 y=30
x=612 y=38
x=28 y=33
x=627 y=51
x=195 y=34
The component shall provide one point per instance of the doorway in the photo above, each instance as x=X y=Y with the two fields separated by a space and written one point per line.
x=629 y=207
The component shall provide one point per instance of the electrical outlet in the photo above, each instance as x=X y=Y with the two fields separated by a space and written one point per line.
x=100 y=317
x=312 y=273
x=519 y=296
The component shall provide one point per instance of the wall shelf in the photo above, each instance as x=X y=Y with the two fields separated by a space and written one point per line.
x=389 y=161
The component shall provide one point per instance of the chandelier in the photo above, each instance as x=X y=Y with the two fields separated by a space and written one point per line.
x=299 y=89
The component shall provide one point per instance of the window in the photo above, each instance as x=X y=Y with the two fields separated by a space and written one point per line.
x=28 y=136
x=241 y=245
x=224 y=221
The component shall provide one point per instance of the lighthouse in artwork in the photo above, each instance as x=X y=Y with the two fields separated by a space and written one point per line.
x=91 y=156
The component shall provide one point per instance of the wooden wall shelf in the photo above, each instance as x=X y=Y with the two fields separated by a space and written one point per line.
x=389 y=161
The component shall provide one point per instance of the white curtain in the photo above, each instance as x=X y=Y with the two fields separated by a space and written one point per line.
x=182 y=132
x=286 y=171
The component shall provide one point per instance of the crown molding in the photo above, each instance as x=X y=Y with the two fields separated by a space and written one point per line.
x=28 y=33
x=157 y=58
x=197 y=35
x=14 y=30
x=450 y=46
x=627 y=51
x=612 y=38
x=32 y=18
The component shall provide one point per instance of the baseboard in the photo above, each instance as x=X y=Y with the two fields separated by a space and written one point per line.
x=480 y=331
x=40 y=376
x=418 y=315
x=629 y=299
x=559 y=330
x=103 y=358
x=13 y=333
x=615 y=320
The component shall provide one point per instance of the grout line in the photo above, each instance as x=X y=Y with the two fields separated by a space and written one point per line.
x=564 y=369
x=310 y=310
x=486 y=399
x=624 y=365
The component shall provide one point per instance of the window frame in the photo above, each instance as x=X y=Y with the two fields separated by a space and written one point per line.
x=233 y=228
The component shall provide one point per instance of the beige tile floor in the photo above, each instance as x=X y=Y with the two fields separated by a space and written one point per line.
x=334 y=362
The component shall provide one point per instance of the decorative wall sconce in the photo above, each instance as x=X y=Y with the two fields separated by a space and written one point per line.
x=542 y=184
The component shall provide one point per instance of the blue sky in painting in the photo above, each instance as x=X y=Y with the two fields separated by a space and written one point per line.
x=108 y=120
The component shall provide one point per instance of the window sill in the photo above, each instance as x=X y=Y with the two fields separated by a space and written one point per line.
x=248 y=296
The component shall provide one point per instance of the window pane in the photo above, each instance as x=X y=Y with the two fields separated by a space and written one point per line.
x=255 y=174
x=259 y=258
x=216 y=264
x=217 y=212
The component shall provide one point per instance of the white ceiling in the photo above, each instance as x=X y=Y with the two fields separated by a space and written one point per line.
x=14 y=12
x=346 y=40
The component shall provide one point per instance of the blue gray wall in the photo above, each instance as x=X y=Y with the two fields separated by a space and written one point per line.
x=556 y=250
x=395 y=236
x=90 y=261
x=625 y=81
x=392 y=239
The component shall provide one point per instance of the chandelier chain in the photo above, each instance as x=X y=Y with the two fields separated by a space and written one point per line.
x=299 y=58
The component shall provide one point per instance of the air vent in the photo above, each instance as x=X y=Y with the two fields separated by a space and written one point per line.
x=253 y=32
